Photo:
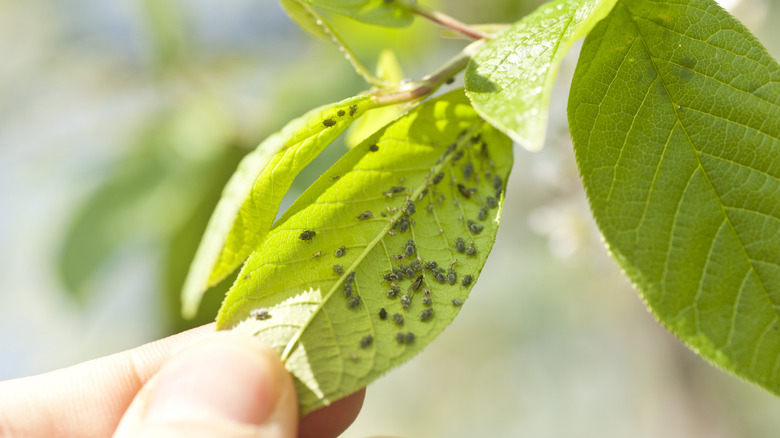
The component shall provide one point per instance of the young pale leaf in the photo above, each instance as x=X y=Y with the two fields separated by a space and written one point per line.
x=251 y=198
x=675 y=115
x=344 y=287
x=379 y=12
x=510 y=80
x=308 y=19
x=389 y=71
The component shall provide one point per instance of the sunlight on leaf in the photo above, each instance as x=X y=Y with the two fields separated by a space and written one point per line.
x=345 y=286
x=251 y=198
x=509 y=81
x=675 y=116
x=377 y=12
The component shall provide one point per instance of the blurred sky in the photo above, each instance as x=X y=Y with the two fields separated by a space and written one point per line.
x=99 y=98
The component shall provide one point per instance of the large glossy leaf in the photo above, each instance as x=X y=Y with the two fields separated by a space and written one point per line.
x=432 y=177
x=251 y=198
x=510 y=80
x=379 y=12
x=675 y=115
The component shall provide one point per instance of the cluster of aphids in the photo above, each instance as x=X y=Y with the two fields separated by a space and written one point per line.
x=419 y=272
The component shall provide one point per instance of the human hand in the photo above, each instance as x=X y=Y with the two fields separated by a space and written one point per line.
x=194 y=384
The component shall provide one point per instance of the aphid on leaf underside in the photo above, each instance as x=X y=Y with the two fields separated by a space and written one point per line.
x=307 y=235
x=260 y=314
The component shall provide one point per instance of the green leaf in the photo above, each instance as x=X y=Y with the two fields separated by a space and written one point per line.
x=379 y=12
x=316 y=328
x=675 y=115
x=251 y=198
x=510 y=80
x=307 y=18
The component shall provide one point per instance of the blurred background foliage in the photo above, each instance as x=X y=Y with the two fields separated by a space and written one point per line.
x=119 y=124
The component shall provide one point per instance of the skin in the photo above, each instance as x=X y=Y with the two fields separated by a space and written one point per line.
x=193 y=384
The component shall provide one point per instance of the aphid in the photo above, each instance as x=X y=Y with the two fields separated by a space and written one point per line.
x=247 y=276
x=406 y=270
x=452 y=276
x=441 y=198
x=398 y=318
x=335 y=178
x=437 y=179
x=340 y=251
x=416 y=283
x=410 y=248
x=422 y=195
x=409 y=338
x=403 y=224
x=475 y=139
x=307 y=235
x=340 y=113
x=431 y=265
x=439 y=277
x=457 y=156
x=466 y=280
x=466 y=192
x=471 y=250
x=365 y=215
x=347 y=290
x=398 y=273
x=391 y=233
x=430 y=207
x=383 y=213
x=460 y=245
x=415 y=265
x=366 y=341
x=352 y=109
x=353 y=356
x=406 y=301
x=373 y=148
x=426 y=314
x=468 y=170
x=354 y=302
x=482 y=215
x=427 y=301
x=450 y=148
x=400 y=338
x=316 y=254
x=329 y=122
x=410 y=208
x=497 y=183
x=456 y=302
x=397 y=189
x=382 y=313
x=398 y=256
x=491 y=202
x=260 y=314
x=475 y=227
x=498 y=193
x=338 y=269
x=392 y=293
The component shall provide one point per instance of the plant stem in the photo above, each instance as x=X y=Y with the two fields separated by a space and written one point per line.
x=418 y=89
x=336 y=39
x=445 y=20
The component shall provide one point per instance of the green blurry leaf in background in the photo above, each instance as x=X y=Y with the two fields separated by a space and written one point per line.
x=509 y=81
x=154 y=190
x=251 y=198
x=675 y=115
x=305 y=17
x=347 y=273
x=378 y=12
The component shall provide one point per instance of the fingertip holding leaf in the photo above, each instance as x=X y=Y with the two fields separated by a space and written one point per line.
x=251 y=198
x=510 y=80
x=319 y=329
x=677 y=154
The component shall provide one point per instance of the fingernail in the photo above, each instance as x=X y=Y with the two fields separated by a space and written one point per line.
x=219 y=378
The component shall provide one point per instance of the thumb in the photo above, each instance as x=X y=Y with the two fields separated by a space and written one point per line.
x=226 y=386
